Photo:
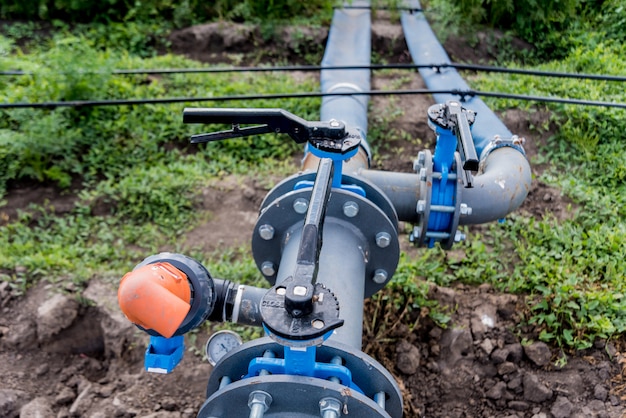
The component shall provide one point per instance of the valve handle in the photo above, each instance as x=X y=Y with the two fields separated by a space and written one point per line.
x=464 y=135
x=453 y=117
x=328 y=136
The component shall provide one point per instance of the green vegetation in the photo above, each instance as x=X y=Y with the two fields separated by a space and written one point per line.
x=179 y=13
x=572 y=269
x=139 y=179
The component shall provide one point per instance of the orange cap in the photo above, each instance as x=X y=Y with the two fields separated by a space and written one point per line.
x=156 y=296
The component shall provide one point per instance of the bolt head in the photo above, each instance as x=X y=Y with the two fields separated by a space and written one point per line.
x=259 y=397
x=459 y=236
x=330 y=405
x=266 y=232
x=421 y=206
x=419 y=162
x=383 y=239
x=380 y=276
x=350 y=209
x=465 y=210
x=423 y=176
x=299 y=290
x=300 y=205
x=268 y=269
x=317 y=324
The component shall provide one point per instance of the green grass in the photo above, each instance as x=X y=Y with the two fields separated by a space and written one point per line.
x=140 y=177
x=572 y=269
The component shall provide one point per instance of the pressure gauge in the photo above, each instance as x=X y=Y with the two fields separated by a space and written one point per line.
x=221 y=343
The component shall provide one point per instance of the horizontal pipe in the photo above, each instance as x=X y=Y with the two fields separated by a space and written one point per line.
x=499 y=188
x=402 y=189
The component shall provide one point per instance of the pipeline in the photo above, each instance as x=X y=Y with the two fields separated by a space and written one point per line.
x=326 y=238
x=505 y=177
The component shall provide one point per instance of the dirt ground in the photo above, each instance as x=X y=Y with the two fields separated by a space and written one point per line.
x=63 y=358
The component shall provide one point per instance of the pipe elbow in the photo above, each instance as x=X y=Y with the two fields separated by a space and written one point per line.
x=156 y=297
x=500 y=188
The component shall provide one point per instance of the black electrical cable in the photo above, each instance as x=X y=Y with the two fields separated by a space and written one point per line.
x=463 y=94
x=436 y=67
x=399 y=8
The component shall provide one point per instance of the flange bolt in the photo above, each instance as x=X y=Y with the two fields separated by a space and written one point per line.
x=465 y=210
x=300 y=205
x=268 y=269
x=330 y=408
x=350 y=209
x=380 y=276
x=266 y=232
x=259 y=402
x=383 y=239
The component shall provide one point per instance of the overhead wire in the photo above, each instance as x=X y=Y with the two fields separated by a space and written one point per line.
x=436 y=67
x=311 y=68
x=463 y=94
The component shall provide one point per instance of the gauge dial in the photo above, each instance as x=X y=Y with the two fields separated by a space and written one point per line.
x=220 y=344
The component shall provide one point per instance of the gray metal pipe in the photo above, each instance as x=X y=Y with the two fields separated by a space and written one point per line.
x=500 y=188
x=349 y=43
x=341 y=269
x=402 y=189
x=425 y=49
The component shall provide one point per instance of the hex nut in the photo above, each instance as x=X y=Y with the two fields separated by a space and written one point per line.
x=266 y=232
x=300 y=205
x=380 y=276
x=268 y=269
x=383 y=239
x=330 y=406
x=259 y=397
x=350 y=209
x=465 y=210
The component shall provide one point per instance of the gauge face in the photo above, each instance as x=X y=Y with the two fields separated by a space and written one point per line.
x=220 y=344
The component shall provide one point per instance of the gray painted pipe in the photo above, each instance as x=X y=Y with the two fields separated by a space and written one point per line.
x=402 y=189
x=341 y=268
x=426 y=49
x=500 y=188
x=349 y=43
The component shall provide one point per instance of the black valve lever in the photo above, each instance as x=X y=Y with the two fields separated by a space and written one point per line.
x=464 y=118
x=298 y=308
x=328 y=136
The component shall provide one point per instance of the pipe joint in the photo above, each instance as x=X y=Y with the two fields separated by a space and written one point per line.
x=497 y=142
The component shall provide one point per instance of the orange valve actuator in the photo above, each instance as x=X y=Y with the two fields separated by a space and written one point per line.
x=167 y=294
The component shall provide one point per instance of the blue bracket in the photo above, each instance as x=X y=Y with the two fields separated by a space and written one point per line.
x=164 y=354
x=304 y=184
x=337 y=158
x=300 y=361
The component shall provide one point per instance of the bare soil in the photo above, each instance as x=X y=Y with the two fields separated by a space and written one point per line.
x=61 y=358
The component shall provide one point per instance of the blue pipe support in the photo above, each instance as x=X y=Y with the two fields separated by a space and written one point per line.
x=426 y=49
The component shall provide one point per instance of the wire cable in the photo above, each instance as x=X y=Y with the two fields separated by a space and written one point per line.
x=311 y=68
x=463 y=94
